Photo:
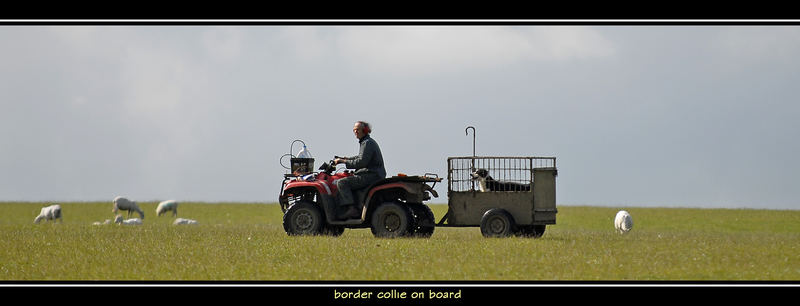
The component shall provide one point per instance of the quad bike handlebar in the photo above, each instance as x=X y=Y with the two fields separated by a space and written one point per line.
x=330 y=166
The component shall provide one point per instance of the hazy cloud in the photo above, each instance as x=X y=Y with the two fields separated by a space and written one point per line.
x=692 y=116
x=424 y=50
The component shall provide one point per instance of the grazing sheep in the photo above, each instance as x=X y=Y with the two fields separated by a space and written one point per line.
x=180 y=221
x=48 y=213
x=623 y=222
x=132 y=221
x=166 y=206
x=121 y=203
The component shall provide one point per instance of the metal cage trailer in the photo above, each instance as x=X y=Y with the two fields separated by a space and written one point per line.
x=502 y=195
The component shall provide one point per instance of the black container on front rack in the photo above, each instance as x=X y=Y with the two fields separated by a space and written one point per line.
x=302 y=165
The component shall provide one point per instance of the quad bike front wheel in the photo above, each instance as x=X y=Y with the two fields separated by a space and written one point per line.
x=303 y=218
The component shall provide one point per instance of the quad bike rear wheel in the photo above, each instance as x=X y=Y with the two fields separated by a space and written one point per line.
x=424 y=221
x=392 y=220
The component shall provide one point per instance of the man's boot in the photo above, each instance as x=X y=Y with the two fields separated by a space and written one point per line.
x=351 y=212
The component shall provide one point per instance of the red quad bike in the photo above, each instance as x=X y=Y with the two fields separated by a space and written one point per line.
x=391 y=207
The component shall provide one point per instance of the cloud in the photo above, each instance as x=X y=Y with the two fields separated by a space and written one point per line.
x=752 y=45
x=223 y=43
x=102 y=100
x=424 y=50
x=306 y=43
x=204 y=113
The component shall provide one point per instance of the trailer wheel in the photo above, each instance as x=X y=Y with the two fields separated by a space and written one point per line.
x=532 y=231
x=497 y=222
x=303 y=218
x=391 y=220
x=424 y=221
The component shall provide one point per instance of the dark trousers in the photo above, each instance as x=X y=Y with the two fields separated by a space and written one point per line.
x=348 y=184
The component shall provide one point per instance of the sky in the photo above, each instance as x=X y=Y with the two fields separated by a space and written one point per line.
x=640 y=115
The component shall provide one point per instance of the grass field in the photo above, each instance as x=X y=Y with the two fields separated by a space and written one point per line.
x=239 y=241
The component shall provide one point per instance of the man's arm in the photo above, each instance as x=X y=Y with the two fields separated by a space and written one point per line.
x=344 y=159
x=341 y=159
x=363 y=158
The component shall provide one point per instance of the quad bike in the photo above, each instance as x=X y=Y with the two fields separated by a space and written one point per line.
x=391 y=207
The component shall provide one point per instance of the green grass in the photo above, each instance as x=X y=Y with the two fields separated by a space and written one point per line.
x=247 y=242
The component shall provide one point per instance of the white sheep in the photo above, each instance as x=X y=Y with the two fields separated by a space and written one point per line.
x=132 y=221
x=52 y=212
x=180 y=221
x=166 y=206
x=121 y=203
x=623 y=222
x=107 y=221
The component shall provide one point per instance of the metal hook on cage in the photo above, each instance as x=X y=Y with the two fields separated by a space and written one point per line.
x=472 y=162
x=466 y=131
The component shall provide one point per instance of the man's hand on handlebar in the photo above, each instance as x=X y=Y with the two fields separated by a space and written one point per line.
x=338 y=160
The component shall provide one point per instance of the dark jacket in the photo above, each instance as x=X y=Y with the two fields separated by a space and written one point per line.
x=369 y=159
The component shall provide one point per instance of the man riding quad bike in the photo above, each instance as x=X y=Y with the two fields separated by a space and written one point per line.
x=391 y=207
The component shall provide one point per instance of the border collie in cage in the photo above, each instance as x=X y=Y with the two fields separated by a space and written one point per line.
x=487 y=183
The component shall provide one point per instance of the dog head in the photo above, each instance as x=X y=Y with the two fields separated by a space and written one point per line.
x=480 y=174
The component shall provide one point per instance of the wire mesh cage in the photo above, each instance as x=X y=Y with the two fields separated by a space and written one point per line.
x=494 y=173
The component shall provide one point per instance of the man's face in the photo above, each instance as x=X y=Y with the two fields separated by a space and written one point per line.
x=358 y=131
